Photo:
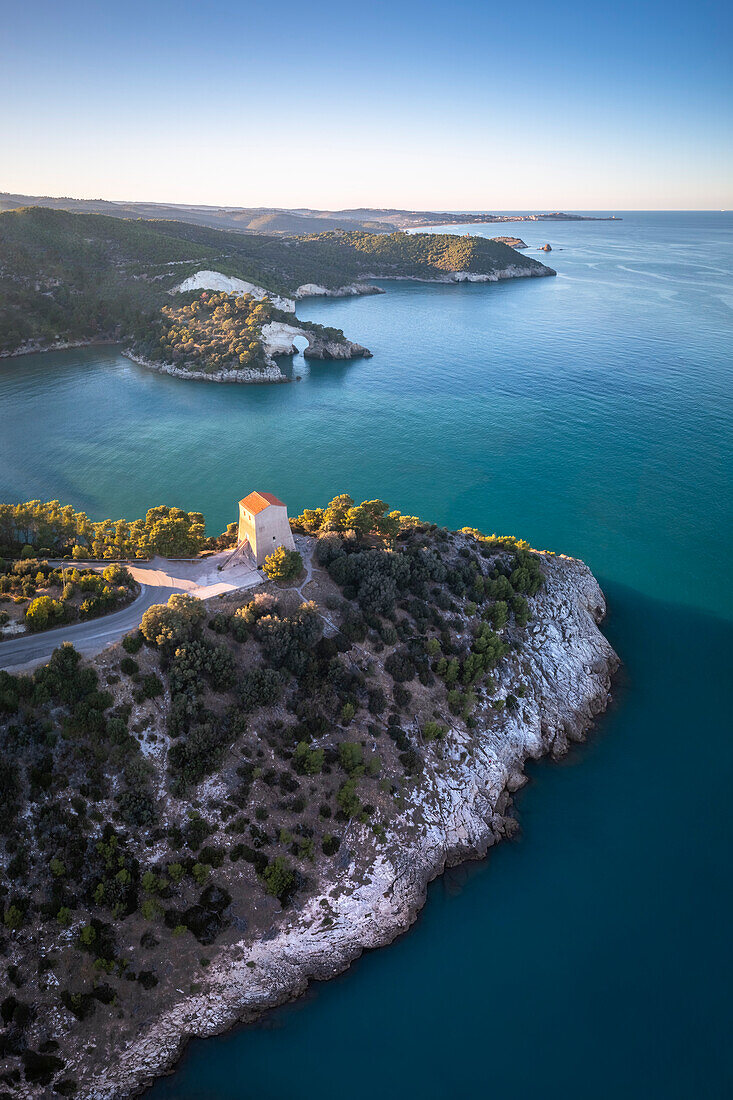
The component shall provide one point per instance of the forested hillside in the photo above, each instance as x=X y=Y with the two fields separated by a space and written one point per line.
x=67 y=276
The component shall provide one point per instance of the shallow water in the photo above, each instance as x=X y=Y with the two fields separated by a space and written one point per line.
x=590 y=414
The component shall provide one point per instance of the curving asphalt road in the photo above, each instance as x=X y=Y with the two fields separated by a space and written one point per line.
x=158 y=579
x=89 y=638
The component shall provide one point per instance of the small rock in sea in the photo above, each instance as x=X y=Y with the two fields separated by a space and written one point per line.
x=546 y=248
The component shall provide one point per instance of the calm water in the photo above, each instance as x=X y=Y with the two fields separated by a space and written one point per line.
x=591 y=414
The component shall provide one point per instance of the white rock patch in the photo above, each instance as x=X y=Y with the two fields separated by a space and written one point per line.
x=352 y=290
x=214 y=280
x=277 y=338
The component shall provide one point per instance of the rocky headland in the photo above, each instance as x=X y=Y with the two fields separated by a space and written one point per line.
x=513 y=242
x=427 y=772
x=278 y=339
x=462 y=810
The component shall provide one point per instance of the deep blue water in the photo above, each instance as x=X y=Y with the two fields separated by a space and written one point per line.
x=590 y=414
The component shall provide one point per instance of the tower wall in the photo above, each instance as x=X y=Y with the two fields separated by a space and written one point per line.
x=265 y=531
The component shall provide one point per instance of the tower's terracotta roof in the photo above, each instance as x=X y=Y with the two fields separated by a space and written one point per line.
x=257 y=502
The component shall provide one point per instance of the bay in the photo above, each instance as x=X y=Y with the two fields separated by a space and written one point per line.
x=590 y=414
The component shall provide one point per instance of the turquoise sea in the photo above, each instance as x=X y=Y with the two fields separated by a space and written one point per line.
x=590 y=414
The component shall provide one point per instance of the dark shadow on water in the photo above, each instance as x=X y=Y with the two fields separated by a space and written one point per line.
x=590 y=957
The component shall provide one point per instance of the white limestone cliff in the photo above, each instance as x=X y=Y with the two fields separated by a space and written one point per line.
x=352 y=290
x=215 y=280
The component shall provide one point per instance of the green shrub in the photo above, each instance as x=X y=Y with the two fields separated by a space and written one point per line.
x=201 y=751
x=526 y=575
x=330 y=845
x=200 y=873
x=137 y=807
x=460 y=702
x=117 y=575
x=400 y=666
x=307 y=761
x=287 y=642
x=351 y=757
x=279 y=879
x=198 y=661
x=520 y=607
x=348 y=799
x=498 y=615
x=283 y=564
x=433 y=730
x=152 y=686
x=401 y=695
x=44 y=612
x=499 y=588
x=132 y=643
x=259 y=687
x=169 y=625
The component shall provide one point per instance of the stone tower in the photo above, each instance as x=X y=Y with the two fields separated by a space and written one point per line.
x=263 y=523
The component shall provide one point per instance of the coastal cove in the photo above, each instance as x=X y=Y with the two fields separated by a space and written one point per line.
x=588 y=414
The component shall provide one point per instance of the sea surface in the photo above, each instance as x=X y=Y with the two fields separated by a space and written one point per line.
x=591 y=414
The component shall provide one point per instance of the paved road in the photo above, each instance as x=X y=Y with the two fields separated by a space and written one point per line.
x=158 y=579
x=88 y=638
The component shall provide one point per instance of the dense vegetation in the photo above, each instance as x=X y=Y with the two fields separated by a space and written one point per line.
x=52 y=596
x=50 y=529
x=420 y=255
x=225 y=752
x=67 y=276
x=210 y=332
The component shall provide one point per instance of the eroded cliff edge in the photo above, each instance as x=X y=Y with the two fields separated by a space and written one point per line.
x=459 y=809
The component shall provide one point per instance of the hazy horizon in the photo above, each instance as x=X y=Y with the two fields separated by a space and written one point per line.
x=418 y=107
x=440 y=208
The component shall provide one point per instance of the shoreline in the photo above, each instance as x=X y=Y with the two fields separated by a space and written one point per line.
x=317 y=348
x=59 y=345
x=249 y=377
x=454 y=278
x=462 y=811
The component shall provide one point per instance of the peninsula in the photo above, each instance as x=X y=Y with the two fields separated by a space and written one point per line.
x=71 y=278
x=252 y=788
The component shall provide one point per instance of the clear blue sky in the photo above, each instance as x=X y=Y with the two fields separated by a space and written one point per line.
x=463 y=105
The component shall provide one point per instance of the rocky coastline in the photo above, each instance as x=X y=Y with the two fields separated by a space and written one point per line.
x=278 y=339
x=510 y=272
x=513 y=242
x=352 y=290
x=271 y=372
x=374 y=894
x=278 y=336
x=34 y=347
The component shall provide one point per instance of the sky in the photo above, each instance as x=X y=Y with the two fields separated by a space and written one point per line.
x=467 y=105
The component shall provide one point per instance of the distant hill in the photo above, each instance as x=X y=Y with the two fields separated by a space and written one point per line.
x=242 y=219
x=269 y=219
x=68 y=276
